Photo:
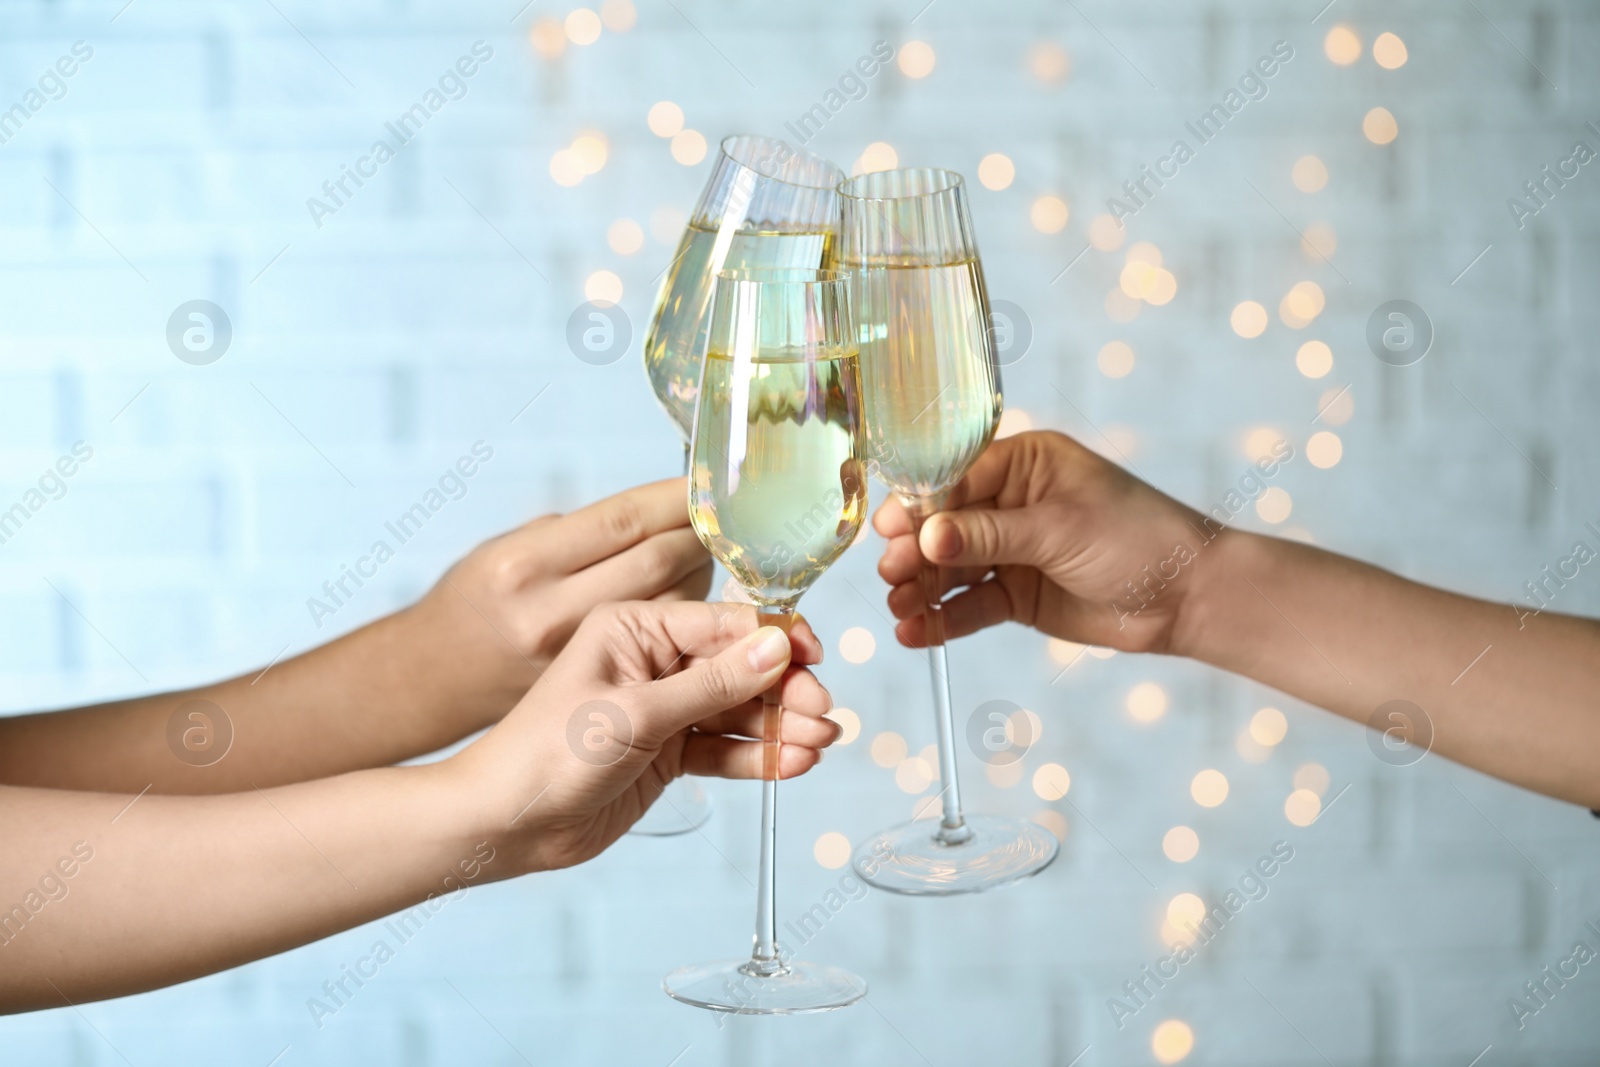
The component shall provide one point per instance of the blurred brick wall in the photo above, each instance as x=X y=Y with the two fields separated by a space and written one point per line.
x=430 y=309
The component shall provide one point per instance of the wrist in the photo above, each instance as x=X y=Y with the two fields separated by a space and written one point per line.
x=1210 y=626
x=459 y=661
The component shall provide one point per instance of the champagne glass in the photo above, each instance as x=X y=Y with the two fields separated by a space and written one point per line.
x=765 y=205
x=777 y=492
x=932 y=394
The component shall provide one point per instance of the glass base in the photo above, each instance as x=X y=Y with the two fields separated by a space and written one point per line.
x=735 y=986
x=683 y=806
x=914 y=860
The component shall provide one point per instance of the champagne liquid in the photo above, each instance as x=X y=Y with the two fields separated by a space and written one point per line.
x=929 y=380
x=778 y=488
x=676 y=344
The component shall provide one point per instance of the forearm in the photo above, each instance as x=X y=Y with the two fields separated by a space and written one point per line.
x=1509 y=694
x=177 y=887
x=398 y=688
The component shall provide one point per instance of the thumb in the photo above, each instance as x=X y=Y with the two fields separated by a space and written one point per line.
x=982 y=537
x=738 y=673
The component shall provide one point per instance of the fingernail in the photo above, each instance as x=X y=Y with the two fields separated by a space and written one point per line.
x=946 y=540
x=769 y=651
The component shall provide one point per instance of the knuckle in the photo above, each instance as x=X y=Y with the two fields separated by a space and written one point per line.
x=624 y=520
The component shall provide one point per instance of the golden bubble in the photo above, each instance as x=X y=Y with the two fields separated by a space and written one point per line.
x=1268 y=727
x=849 y=722
x=583 y=26
x=664 y=118
x=857 y=644
x=1051 y=782
x=688 y=147
x=1302 y=807
x=1180 y=844
x=916 y=59
x=996 y=171
x=1049 y=214
x=1341 y=45
x=1310 y=174
x=1389 y=51
x=888 y=749
x=1380 y=126
x=1249 y=319
x=1171 y=1041
x=832 y=850
x=1115 y=359
x=1324 y=449
x=1314 y=359
x=1209 y=788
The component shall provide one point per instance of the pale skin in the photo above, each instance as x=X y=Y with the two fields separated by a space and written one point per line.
x=1046 y=533
x=312 y=832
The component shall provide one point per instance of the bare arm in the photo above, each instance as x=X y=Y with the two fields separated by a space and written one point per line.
x=103 y=895
x=1516 y=696
x=1046 y=533
x=408 y=684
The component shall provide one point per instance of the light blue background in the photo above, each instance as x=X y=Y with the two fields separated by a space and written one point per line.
x=370 y=352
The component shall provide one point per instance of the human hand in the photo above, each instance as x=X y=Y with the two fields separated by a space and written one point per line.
x=509 y=607
x=1044 y=532
x=642 y=693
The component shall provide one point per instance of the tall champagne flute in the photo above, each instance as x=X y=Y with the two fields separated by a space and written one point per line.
x=932 y=393
x=766 y=205
x=777 y=491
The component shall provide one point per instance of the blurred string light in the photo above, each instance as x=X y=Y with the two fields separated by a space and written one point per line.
x=832 y=850
x=1095 y=650
x=1260 y=442
x=1120 y=307
x=1125 y=443
x=625 y=237
x=1301 y=304
x=1003 y=775
x=913 y=775
x=1105 y=234
x=1312 y=776
x=1065 y=653
x=586 y=155
x=1250 y=750
x=1049 y=62
x=1379 y=126
x=548 y=38
x=916 y=59
x=1012 y=422
x=1180 y=844
x=1319 y=242
x=930 y=756
x=1249 y=319
x=688 y=147
x=996 y=171
x=619 y=16
x=1336 y=406
x=849 y=722
x=667 y=222
x=1051 y=782
x=888 y=749
x=1309 y=174
x=1171 y=1041
x=1144 y=278
x=1049 y=214
x=1299 y=533
x=1146 y=702
x=1268 y=727
x=1314 y=359
x=1341 y=45
x=1274 y=505
x=1115 y=359
x=603 y=287
x=582 y=26
x=1389 y=51
x=1209 y=788
x=879 y=155
x=1053 y=821
x=857 y=645
x=1302 y=807
x=1324 y=449
x=664 y=118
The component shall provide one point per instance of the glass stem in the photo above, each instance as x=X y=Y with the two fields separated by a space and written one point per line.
x=953 y=829
x=765 y=960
